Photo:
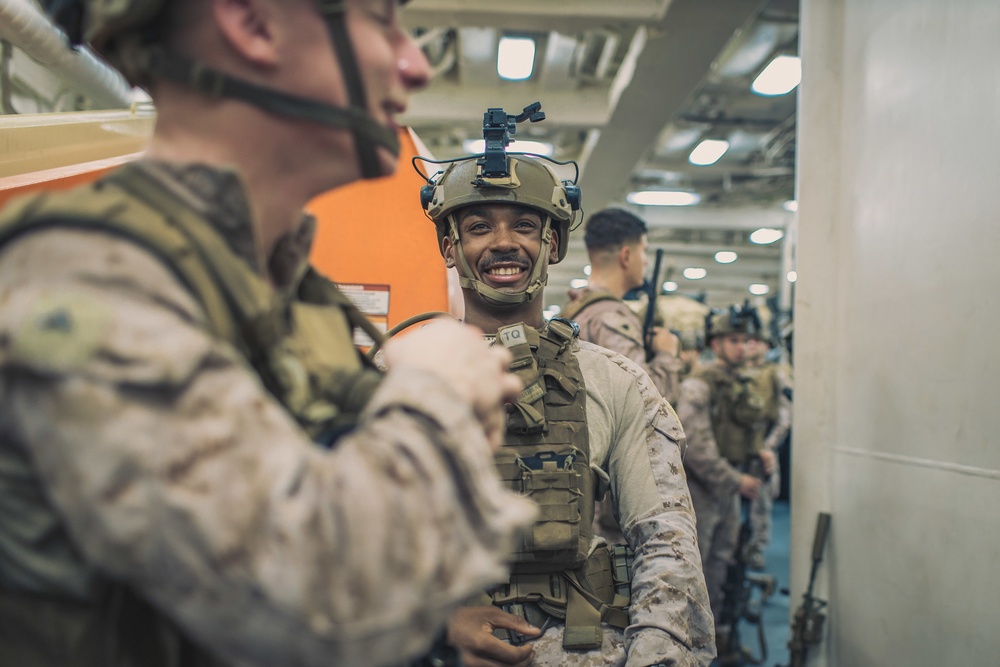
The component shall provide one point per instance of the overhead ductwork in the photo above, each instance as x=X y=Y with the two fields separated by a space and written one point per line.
x=24 y=25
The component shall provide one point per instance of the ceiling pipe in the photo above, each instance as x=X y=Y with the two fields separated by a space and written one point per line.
x=24 y=25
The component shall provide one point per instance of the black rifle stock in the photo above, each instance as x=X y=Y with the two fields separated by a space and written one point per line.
x=807 y=626
x=652 y=291
x=738 y=600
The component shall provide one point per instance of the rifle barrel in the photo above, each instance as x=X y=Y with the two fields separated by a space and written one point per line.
x=651 y=293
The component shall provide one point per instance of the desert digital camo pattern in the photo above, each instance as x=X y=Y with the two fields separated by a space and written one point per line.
x=714 y=485
x=163 y=463
x=637 y=441
x=612 y=324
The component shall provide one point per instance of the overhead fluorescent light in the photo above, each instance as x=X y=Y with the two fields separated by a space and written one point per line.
x=578 y=283
x=792 y=276
x=779 y=77
x=695 y=273
x=708 y=152
x=726 y=257
x=766 y=235
x=663 y=198
x=515 y=58
x=759 y=289
x=670 y=286
x=527 y=146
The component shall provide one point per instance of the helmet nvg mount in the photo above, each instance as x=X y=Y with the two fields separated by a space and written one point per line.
x=498 y=177
x=735 y=319
x=125 y=32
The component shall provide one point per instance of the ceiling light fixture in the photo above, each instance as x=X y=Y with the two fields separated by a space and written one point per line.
x=663 y=198
x=766 y=235
x=578 y=283
x=779 y=77
x=695 y=273
x=759 y=289
x=708 y=152
x=670 y=286
x=726 y=257
x=515 y=58
x=587 y=269
x=792 y=276
x=791 y=206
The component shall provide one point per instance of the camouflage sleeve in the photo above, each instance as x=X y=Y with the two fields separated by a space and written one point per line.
x=671 y=621
x=780 y=428
x=704 y=465
x=177 y=473
x=612 y=325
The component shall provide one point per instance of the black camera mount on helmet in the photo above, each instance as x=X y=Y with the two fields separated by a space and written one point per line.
x=498 y=128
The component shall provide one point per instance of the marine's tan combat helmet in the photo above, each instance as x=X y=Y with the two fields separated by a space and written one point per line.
x=128 y=34
x=530 y=182
x=735 y=319
x=685 y=317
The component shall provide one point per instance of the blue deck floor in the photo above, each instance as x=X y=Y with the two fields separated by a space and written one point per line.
x=776 y=612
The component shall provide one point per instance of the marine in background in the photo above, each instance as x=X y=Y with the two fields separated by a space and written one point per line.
x=196 y=465
x=617 y=245
x=771 y=382
x=721 y=416
x=588 y=421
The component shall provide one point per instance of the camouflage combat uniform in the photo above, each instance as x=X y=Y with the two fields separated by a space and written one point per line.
x=770 y=382
x=713 y=480
x=148 y=455
x=639 y=458
x=610 y=323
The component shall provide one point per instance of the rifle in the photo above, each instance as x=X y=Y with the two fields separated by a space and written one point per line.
x=652 y=291
x=738 y=598
x=807 y=626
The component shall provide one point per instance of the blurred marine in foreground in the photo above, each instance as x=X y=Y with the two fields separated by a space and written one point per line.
x=169 y=362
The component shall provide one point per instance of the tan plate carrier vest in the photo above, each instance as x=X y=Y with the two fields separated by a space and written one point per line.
x=764 y=383
x=736 y=413
x=303 y=352
x=546 y=457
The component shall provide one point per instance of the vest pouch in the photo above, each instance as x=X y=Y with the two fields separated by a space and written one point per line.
x=583 y=598
x=551 y=481
x=748 y=408
x=622 y=558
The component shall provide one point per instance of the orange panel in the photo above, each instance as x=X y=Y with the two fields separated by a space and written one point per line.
x=371 y=233
x=376 y=233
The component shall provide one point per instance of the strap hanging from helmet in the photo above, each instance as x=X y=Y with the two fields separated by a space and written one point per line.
x=539 y=274
x=335 y=14
x=368 y=134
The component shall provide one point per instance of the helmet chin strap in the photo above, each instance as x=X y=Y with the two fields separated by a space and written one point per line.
x=539 y=274
x=368 y=134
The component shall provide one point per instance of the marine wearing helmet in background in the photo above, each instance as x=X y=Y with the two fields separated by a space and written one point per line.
x=721 y=417
x=771 y=383
x=585 y=411
x=173 y=358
